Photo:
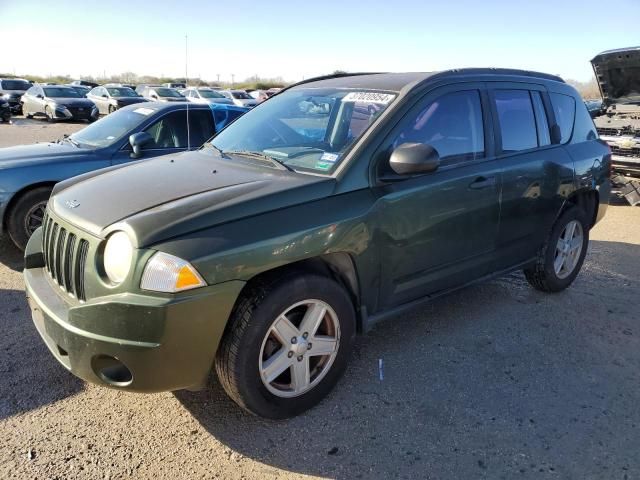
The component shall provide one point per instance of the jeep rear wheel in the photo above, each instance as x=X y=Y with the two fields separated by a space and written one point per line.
x=286 y=345
x=562 y=256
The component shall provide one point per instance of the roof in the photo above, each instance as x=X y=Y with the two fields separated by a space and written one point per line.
x=397 y=81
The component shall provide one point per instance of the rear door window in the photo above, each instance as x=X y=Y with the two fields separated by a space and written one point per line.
x=170 y=131
x=201 y=127
x=564 y=109
x=516 y=119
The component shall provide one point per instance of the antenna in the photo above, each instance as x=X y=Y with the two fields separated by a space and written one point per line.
x=186 y=85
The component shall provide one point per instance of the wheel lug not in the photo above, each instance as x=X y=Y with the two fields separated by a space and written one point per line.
x=294 y=340
x=290 y=354
x=309 y=346
x=300 y=358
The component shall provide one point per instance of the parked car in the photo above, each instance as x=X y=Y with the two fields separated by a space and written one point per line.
x=239 y=97
x=594 y=107
x=57 y=102
x=175 y=85
x=259 y=95
x=273 y=90
x=85 y=83
x=11 y=90
x=28 y=173
x=110 y=98
x=5 y=110
x=80 y=89
x=264 y=253
x=205 y=95
x=618 y=75
x=162 y=94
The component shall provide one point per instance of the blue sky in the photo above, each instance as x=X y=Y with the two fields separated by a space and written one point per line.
x=296 y=39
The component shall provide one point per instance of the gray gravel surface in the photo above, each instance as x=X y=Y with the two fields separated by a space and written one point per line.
x=494 y=381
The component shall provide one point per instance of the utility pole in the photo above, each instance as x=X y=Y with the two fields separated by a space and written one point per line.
x=233 y=79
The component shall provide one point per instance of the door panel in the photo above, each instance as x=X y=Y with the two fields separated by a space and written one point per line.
x=437 y=231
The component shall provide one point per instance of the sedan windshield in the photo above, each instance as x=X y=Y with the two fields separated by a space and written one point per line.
x=168 y=92
x=210 y=94
x=15 y=85
x=242 y=95
x=306 y=129
x=122 y=92
x=111 y=128
x=61 y=92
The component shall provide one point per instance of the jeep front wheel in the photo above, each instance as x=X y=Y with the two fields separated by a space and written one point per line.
x=286 y=345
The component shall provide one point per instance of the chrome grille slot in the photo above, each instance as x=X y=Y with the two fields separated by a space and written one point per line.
x=65 y=255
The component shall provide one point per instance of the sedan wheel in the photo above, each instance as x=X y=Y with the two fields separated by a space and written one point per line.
x=33 y=218
x=49 y=114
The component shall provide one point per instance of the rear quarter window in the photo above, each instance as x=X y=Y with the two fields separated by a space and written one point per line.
x=564 y=109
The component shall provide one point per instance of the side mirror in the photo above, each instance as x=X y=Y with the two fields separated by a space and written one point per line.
x=40 y=96
x=138 y=141
x=154 y=96
x=104 y=95
x=410 y=158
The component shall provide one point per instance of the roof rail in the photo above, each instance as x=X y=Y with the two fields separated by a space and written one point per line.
x=500 y=71
x=325 y=77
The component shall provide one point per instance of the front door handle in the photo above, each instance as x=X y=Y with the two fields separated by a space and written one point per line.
x=483 y=182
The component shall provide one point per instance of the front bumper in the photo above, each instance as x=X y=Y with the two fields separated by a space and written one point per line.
x=164 y=342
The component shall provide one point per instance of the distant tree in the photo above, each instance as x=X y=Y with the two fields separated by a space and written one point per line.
x=588 y=90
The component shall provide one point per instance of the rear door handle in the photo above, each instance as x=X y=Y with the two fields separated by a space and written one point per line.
x=483 y=182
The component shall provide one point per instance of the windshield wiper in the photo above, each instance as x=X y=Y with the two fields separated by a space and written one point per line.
x=67 y=138
x=261 y=156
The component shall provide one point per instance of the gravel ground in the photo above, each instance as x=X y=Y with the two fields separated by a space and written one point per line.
x=494 y=381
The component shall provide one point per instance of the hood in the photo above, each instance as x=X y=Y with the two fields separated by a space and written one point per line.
x=72 y=102
x=618 y=75
x=172 y=99
x=179 y=194
x=129 y=100
x=221 y=101
x=25 y=155
x=12 y=93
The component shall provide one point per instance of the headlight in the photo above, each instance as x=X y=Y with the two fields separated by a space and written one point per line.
x=118 y=253
x=6 y=96
x=167 y=273
x=61 y=108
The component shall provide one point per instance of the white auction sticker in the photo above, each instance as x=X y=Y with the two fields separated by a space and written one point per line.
x=369 y=97
x=144 y=111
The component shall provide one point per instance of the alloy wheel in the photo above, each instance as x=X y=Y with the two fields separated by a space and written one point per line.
x=33 y=218
x=568 y=249
x=299 y=348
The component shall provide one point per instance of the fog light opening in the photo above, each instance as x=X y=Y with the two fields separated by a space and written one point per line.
x=112 y=371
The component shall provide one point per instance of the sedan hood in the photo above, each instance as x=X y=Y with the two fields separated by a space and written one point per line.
x=618 y=75
x=162 y=198
x=25 y=155
x=130 y=100
x=72 y=102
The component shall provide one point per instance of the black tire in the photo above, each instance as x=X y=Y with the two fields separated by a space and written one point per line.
x=17 y=217
x=112 y=109
x=542 y=275
x=237 y=360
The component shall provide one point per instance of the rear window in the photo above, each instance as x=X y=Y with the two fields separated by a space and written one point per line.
x=517 y=122
x=564 y=109
x=15 y=85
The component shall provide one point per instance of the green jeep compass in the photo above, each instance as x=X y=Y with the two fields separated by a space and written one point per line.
x=338 y=202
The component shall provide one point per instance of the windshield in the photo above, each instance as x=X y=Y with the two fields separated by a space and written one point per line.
x=122 y=92
x=82 y=91
x=111 y=128
x=310 y=129
x=60 y=92
x=168 y=92
x=15 y=85
x=210 y=94
x=242 y=95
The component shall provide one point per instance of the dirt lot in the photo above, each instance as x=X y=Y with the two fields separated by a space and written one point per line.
x=495 y=381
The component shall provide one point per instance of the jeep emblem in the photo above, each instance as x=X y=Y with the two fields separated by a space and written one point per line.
x=72 y=203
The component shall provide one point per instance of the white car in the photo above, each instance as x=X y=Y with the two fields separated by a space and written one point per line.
x=239 y=98
x=205 y=95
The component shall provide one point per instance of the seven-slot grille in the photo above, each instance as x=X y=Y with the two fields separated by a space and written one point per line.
x=65 y=257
